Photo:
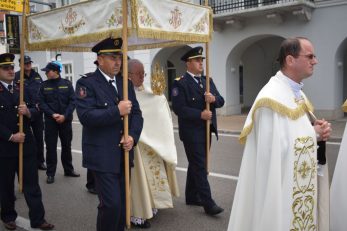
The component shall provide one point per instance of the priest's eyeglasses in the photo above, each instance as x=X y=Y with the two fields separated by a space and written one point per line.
x=310 y=56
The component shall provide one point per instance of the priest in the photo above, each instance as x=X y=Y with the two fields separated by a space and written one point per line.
x=277 y=187
x=153 y=178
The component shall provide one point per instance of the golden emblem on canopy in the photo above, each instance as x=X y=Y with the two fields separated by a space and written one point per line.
x=158 y=83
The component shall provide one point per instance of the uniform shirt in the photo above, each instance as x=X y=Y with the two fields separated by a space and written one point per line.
x=57 y=96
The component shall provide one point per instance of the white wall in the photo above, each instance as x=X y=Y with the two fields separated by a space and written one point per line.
x=327 y=30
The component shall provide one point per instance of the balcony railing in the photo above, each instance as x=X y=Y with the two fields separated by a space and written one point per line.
x=229 y=6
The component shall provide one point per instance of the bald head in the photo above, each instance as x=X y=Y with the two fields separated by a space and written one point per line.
x=136 y=72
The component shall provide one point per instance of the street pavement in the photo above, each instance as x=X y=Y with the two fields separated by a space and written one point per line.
x=71 y=208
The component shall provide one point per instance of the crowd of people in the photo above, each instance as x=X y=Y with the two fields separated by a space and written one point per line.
x=283 y=181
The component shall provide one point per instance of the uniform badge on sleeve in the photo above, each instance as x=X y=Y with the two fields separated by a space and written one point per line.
x=174 y=91
x=82 y=92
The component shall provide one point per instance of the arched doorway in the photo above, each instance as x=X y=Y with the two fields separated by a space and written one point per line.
x=341 y=69
x=250 y=65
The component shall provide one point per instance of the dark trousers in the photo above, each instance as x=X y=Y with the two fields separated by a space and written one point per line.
x=31 y=190
x=111 y=193
x=52 y=131
x=38 y=128
x=90 y=179
x=197 y=185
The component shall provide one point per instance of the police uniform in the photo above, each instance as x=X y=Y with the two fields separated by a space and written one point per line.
x=9 y=100
x=57 y=96
x=188 y=101
x=32 y=85
x=97 y=109
x=90 y=185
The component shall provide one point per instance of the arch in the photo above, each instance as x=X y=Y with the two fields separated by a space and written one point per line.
x=249 y=66
x=341 y=72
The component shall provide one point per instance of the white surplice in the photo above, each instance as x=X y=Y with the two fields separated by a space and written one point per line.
x=277 y=186
x=153 y=178
x=338 y=189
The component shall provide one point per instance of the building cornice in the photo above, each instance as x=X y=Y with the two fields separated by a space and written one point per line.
x=329 y=3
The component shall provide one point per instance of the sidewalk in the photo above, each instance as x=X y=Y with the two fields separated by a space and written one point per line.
x=233 y=125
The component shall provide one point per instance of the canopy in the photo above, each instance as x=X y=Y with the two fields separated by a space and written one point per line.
x=152 y=24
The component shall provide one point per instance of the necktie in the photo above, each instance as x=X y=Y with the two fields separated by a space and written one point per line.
x=111 y=81
x=199 y=81
x=10 y=88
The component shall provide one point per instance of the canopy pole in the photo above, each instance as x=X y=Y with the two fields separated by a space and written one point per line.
x=126 y=118
x=21 y=96
x=208 y=122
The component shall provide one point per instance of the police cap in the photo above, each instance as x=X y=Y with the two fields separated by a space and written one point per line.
x=51 y=66
x=109 y=46
x=27 y=59
x=195 y=52
x=6 y=59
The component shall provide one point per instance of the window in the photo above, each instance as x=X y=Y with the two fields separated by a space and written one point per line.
x=67 y=72
x=1 y=25
x=65 y=2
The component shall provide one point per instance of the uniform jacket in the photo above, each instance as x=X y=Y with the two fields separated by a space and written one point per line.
x=9 y=122
x=57 y=96
x=32 y=84
x=97 y=110
x=188 y=101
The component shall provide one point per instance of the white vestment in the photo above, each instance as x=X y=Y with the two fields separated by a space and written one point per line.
x=338 y=189
x=153 y=178
x=277 y=186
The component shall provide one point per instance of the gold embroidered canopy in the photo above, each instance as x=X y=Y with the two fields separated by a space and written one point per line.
x=152 y=24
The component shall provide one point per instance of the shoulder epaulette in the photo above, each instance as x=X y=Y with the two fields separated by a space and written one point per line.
x=179 y=78
x=86 y=75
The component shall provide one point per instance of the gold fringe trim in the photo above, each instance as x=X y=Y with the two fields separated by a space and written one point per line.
x=73 y=40
x=130 y=48
x=156 y=45
x=165 y=35
x=344 y=106
x=279 y=108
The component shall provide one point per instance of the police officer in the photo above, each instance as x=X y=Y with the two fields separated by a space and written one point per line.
x=32 y=83
x=57 y=101
x=100 y=108
x=189 y=98
x=10 y=137
x=90 y=185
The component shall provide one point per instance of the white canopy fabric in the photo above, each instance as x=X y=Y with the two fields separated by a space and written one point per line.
x=152 y=24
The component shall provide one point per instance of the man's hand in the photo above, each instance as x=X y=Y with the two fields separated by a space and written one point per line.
x=19 y=137
x=209 y=98
x=323 y=129
x=23 y=110
x=206 y=115
x=124 y=107
x=128 y=143
x=58 y=118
